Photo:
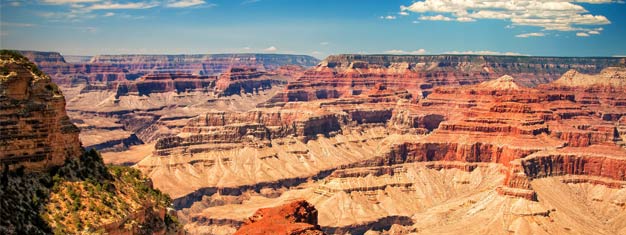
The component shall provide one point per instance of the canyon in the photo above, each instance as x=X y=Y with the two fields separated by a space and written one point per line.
x=363 y=144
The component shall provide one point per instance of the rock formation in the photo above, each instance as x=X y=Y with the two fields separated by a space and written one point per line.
x=344 y=75
x=298 y=217
x=34 y=130
x=48 y=183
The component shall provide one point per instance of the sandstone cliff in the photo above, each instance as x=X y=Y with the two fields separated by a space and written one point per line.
x=35 y=131
x=48 y=183
x=298 y=217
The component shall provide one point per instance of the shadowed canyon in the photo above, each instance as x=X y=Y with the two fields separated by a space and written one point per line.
x=352 y=144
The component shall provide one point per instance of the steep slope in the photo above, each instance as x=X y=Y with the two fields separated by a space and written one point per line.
x=34 y=129
x=298 y=217
x=48 y=183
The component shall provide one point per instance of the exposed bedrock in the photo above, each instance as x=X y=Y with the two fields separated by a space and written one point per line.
x=598 y=160
x=345 y=75
x=299 y=217
x=34 y=128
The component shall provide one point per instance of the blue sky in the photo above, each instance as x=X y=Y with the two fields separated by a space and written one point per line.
x=316 y=27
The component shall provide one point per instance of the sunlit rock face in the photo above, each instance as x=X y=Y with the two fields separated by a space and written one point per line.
x=35 y=130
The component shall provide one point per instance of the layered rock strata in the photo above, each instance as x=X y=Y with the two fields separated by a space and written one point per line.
x=298 y=217
x=344 y=75
x=34 y=128
x=362 y=148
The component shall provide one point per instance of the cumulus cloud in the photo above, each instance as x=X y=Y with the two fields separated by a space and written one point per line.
x=270 y=49
x=389 y=17
x=119 y=6
x=483 y=53
x=185 y=3
x=436 y=18
x=527 y=35
x=582 y=34
x=403 y=13
x=556 y=15
x=402 y=52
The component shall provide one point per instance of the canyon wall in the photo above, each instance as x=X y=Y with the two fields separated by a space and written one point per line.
x=35 y=130
x=344 y=75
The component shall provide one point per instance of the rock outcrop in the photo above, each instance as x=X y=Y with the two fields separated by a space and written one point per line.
x=298 y=217
x=48 y=183
x=34 y=128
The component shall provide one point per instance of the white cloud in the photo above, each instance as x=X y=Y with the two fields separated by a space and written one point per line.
x=436 y=18
x=465 y=19
x=593 y=32
x=402 y=52
x=118 y=6
x=556 y=15
x=316 y=53
x=403 y=13
x=527 y=35
x=271 y=49
x=185 y=3
x=582 y=34
x=415 y=22
x=484 y=53
x=108 y=14
x=389 y=17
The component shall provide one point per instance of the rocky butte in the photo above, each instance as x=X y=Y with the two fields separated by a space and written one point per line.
x=49 y=183
x=375 y=153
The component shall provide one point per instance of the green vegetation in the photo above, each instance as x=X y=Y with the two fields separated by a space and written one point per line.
x=81 y=196
x=15 y=55
x=10 y=54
